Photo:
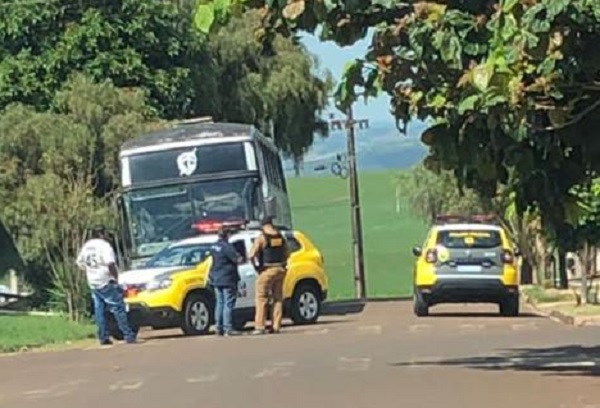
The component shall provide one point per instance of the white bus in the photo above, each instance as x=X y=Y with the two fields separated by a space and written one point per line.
x=174 y=181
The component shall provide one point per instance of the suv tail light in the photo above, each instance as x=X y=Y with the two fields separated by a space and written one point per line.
x=507 y=257
x=431 y=256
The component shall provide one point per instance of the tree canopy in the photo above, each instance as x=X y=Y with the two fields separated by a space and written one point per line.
x=151 y=46
x=511 y=87
x=80 y=77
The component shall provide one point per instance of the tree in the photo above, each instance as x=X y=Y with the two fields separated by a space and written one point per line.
x=510 y=85
x=150 y=45
x=430 y=195
x=586 y=235
x=57 y=173
x=146 y=44
x=283 y=94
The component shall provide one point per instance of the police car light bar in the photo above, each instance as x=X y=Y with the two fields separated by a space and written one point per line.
x=469 y=219
x=213 y=226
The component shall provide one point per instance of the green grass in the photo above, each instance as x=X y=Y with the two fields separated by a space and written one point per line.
x=321 y=209
x=19 y=331
x=541 y=295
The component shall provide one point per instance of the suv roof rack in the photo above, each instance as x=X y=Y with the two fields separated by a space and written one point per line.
x=466 y=219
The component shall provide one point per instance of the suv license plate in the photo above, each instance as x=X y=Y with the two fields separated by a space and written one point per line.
x=469 y=268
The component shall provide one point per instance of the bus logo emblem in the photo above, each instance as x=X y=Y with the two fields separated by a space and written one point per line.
x=187 y=162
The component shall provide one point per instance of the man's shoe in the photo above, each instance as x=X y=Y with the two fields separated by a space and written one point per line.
x=106 y=342
x=133 y=341
x=231 y=333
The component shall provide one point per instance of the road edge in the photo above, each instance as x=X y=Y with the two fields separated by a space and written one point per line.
x=566 y=319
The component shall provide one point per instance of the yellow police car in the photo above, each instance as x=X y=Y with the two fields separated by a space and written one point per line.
x=466 y=260
x=171 y=289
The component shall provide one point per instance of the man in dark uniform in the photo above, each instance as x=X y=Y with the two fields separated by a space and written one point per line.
x=224 y=277
x=270 y=246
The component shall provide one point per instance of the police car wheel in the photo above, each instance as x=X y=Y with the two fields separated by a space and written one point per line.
x=420 y=306
x=509 y=307
x=197 y=315
x=306 y=304
x=239 y=323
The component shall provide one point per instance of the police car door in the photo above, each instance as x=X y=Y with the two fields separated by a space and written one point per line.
x=248 y=276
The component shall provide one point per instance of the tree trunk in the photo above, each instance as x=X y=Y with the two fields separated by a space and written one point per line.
x=587 y=263
x=297 y=165
x=526 y=272
x=562 y=269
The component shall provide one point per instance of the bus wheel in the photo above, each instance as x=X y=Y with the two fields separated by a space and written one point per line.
x=197 y=315
x=306 y=304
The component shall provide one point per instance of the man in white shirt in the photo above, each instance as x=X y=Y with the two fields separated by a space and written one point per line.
x=97 y=259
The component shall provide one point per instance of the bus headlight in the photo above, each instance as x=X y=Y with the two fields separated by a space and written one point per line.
x=159 y=284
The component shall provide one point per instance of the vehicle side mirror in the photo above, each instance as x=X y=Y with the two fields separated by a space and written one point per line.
x=417 y=251
x=271 y=207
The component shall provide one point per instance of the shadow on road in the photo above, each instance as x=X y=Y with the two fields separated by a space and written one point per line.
x=167 y=334
x=342 y=308
x=486 y=315
x=571 y=360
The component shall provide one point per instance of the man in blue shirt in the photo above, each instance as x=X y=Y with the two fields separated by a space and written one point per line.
x=224 y=277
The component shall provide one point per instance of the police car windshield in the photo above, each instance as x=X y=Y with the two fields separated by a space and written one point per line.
x=184 y=255
x=463 y=239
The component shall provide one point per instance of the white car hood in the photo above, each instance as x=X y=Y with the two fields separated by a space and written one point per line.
x=143 y=276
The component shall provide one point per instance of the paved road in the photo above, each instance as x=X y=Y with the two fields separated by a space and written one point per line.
x=381 y=358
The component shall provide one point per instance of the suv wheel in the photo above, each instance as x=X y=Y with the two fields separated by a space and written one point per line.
x=420 y=306
x=510 y=306
x=197 y=315
x=239 y=323
x=306 y=304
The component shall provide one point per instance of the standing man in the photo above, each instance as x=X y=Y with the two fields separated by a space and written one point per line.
x=224 y=276
x=271 y=248
x=97 y=259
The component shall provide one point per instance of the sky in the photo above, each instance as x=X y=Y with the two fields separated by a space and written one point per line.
x=333 y=57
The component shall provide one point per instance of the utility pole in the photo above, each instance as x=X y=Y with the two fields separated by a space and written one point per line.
x=357 y=239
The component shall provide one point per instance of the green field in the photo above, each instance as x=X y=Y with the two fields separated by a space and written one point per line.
x=321 y=210
x=18 y=332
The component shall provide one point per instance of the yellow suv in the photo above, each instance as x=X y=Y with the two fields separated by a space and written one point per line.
x=466 y=260
x=171 y=290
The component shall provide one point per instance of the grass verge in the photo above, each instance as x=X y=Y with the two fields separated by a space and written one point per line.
x=540 y=295
x=18 y=332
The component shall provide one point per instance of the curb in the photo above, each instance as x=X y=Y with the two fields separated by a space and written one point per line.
x=560 y=317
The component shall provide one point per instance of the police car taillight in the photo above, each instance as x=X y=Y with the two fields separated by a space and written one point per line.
x=431 y=256
x=507 y=257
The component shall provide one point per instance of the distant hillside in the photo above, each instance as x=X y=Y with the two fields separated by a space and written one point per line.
x=381 y=147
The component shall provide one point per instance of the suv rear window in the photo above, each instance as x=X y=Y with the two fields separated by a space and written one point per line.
x=469 y=239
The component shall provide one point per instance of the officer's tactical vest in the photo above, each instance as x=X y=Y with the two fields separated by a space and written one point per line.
x=274 y=250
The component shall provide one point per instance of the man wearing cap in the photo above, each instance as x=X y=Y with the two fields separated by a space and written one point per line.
x=97 y=259
x=224 y=276
x=270 y=246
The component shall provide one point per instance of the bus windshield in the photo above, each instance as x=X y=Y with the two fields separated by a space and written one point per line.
x=161 y=215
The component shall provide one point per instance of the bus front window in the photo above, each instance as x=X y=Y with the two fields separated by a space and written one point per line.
x=161 y=215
